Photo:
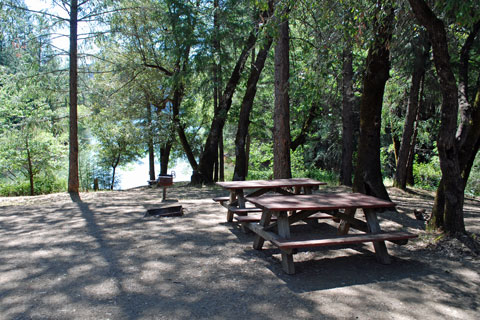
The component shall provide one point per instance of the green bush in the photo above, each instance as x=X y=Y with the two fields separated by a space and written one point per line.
x=329 y=177
x=42 y=185
x=473 y=183
x=15 y=189
x=427 y=175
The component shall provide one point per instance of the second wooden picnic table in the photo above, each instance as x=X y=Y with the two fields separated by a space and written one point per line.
x=303 y=206
x=235 y=203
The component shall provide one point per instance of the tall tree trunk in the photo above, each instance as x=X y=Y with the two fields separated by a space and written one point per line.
x=73 y=180
x=151 y=153
x=221 y=160
x=281 y=115
x=368 y=175
x=448 y=150
x=422 y=53
x=306 y=128
x=114 y=169
x=411 y=152
x=30 y=167
x=241 y=164
x=177 y=100
x=247 y=153
x=219 y=163
x=463 y=100
x=165 y=156
x=348 y=97
x=467 y=154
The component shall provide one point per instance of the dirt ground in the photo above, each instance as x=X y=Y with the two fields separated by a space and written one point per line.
x=100 y=258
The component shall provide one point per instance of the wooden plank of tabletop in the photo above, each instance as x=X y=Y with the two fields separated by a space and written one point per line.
x=276 y=183
x=319 y=201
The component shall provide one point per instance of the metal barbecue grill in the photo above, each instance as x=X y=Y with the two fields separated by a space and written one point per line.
x=164 y=181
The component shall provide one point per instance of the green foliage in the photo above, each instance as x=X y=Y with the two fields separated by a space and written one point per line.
x=427 y=175
x=261 y=161
x=473 y=183
x=44 y=184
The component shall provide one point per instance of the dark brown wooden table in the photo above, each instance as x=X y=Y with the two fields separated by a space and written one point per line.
x=303 y=206
x=235 y=203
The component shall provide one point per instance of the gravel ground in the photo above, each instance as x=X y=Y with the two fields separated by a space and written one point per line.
x=101 y=259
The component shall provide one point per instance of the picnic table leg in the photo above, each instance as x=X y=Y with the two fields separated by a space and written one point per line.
x=307 y=190
x=241 y=198
x=374 y=227
x=344 y=225
x=314 y=223
x=232 y=199
x=284 y=232
x=264 y=221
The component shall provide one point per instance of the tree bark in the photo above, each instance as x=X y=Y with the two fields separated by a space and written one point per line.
x=241 y=164
x=368 y=175
x=464 y=105
x=306 y=128
x=30 y=167
x=221 y=160
x=408 y=143
x=453 y=184
x=281 y=115
x=151 y=153
x=165 y=157
x=114 y=168
x=411 y=152
x=219 y=163
x=73 y=180
x=177 y=99
x=348 y=97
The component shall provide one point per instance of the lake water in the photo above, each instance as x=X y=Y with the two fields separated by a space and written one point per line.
x=136 y=174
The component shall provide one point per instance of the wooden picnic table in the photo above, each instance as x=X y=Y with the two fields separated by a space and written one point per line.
x=235 y=203
x=303 y=206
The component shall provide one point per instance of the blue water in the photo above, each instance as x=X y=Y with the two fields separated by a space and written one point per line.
x=136 y=174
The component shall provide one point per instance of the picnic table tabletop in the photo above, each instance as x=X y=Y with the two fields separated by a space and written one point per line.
x=275 y=183
x=319 y=201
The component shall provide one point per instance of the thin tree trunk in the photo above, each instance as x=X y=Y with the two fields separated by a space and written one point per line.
x=407 y=144
x=348 y=97
x=453 y=184
x=151 y=153
x=73 y=180
x=165 y=157
x=177 y=99
x=30 y=167
x=411 y=152
x=247 y=153
x=221 y=161
x=114 y=168
x=368 y=175
x=306 y=128
x=463 y=99
x=281 y=115
x=113 y=178
x=241 y=163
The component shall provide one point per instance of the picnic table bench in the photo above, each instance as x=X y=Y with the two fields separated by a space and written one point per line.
x=274 y=224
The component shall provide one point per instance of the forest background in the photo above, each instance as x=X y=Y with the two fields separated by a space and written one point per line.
x=364 y=83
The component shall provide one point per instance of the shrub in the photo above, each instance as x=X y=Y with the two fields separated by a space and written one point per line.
x=427 y=175
x=44 y=184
